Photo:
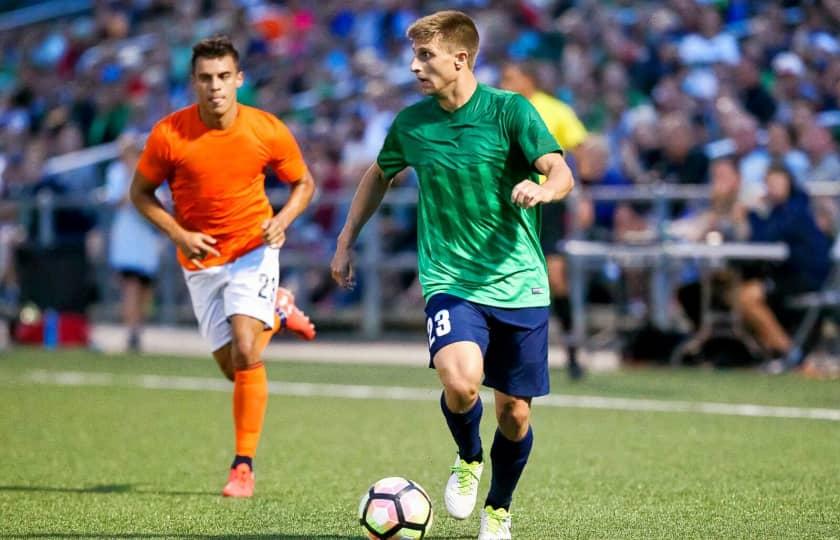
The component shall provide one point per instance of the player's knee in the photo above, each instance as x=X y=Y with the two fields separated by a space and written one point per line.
x=244 y=354
x=514 y=417
x=462 y=392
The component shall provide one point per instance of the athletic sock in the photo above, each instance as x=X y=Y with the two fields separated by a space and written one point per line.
x=465 y=430
x=238 y=460
x=508 y=461
x=250 y=397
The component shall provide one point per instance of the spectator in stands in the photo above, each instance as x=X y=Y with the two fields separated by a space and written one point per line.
x=791 y=84
x=10 y=238
x=642 y=148
x=134 y=250
x=824 y=166
x=753 y=158
x=592 y=169
x=78 y=180
x=683 y=161
x=711 y=44
x=823 y=156
x=780 y=148
x=756 y=99
x=786 y=217
x=724 y=215
x=23 y=171
x=723 y=219
x=803 y=116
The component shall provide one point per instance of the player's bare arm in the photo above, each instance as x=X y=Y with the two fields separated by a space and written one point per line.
x=195 y=245
x=558 y=183
x=274 y=229
x=367 y=199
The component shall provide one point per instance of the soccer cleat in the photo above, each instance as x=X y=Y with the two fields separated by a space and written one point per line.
x=290 y=317
x=462 y=488
x=240 y=482
x=495 y=524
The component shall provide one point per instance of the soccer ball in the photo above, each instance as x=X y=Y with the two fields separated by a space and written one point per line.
x=395 y=509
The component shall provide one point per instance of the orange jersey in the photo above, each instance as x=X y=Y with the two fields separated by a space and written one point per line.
x=216 y=175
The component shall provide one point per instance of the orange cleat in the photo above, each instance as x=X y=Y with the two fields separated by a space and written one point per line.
x=291 y=317
x=240 y=482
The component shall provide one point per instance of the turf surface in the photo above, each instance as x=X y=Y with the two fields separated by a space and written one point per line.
x=120 y=461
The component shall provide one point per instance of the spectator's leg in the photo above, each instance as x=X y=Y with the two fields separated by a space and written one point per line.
x=690 y=299
x=132 y=309
x=9 y=241
x=752 y=304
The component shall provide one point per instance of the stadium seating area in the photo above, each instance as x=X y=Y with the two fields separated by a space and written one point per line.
x=664 y=88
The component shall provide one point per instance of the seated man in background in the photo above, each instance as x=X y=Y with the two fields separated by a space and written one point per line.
x=786 y=218
x=724 y=218
x=724 y=214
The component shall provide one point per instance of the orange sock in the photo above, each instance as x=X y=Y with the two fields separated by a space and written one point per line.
x=250 y=397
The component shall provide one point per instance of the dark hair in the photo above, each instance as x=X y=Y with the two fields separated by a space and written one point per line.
x=530 y=69
x=214 y=47
x=726 y=159
x=778 y=166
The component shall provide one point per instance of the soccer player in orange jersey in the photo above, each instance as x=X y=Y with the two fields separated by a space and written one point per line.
x=213 y=154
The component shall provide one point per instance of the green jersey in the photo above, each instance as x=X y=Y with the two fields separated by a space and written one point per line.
x=473 y=242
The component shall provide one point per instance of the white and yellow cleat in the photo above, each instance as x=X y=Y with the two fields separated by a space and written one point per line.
x=462 y=488
x=495 y=524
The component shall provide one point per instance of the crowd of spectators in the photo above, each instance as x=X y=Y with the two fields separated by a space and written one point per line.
x=663 y=87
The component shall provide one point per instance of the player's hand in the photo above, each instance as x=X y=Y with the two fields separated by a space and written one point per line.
x=196 y=246
x=342 y=269
x=274 y=232
x=527 y=194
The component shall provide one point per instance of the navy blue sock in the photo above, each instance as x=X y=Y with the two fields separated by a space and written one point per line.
x=508 y=460
x=464 y=428
x=242 y=459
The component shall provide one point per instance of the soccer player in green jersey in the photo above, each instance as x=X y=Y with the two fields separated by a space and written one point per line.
x=477 y=152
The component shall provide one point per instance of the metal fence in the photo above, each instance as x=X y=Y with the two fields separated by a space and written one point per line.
x=375 y=311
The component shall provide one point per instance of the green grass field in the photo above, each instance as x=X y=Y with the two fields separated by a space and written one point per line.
x=104 y=452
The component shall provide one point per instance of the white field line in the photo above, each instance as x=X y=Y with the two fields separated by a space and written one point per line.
x=159 y=382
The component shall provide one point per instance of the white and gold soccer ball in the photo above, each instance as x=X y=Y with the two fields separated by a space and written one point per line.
x=395 y=509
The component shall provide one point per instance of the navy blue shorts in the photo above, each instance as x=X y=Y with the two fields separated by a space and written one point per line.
x=513 y=341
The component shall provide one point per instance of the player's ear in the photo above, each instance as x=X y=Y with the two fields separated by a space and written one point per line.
x=240 y=79
x=461 y=59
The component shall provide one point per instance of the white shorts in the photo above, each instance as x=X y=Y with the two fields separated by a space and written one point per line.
x=244 y=286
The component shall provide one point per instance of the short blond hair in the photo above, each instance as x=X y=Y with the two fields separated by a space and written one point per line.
x=454 y=28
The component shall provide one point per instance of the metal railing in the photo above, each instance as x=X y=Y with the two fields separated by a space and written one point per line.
x=372 y=259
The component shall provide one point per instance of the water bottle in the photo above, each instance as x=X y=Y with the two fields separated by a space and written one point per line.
x=50 y=328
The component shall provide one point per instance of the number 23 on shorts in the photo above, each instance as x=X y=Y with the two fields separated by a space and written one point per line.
x=438 y=327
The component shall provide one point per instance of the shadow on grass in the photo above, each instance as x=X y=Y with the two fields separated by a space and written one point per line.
x=266 y=536
x=130 y=488
x=278 y=536
x=104 y=488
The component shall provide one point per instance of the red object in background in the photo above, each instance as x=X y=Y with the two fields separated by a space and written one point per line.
x=272 y=24
x=73 y=331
